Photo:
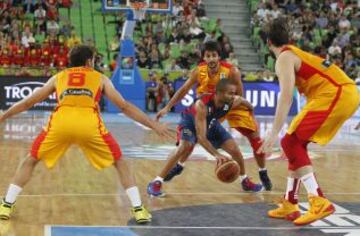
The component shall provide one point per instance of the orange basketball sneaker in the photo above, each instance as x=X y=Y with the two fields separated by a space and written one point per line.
x=319 y=208
x=286 y=210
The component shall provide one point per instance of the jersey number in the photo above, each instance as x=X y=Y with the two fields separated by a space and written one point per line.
x=76 y=79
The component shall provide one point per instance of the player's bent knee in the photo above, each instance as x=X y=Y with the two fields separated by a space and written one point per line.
x=236 y=154
x=185 y=148
x=287 y=143
x=291 y=167
x=295 y=151
x=299 y=162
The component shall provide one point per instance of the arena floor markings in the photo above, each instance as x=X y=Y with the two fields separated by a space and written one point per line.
x=75 y=199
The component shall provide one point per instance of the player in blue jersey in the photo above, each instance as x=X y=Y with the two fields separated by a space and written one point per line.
x=200 y=124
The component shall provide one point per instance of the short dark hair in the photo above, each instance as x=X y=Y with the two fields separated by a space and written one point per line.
x=211 y=46
x=222 y=85
x=79 y=54
x=278 y=32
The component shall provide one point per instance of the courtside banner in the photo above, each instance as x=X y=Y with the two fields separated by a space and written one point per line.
x=14 y=89
x=262 y=95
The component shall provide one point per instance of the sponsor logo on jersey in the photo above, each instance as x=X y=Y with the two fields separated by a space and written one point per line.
x=76 y=92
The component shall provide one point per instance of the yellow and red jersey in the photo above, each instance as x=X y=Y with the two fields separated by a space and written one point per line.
x=332 y=98
x=238 y=118
x=207 y=84
x=76 y=120
x=79 y=87
x=317 y=75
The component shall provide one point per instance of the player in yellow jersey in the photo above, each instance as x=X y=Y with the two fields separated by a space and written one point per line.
x=332 y=98
x=76 y=120
x=206 y=76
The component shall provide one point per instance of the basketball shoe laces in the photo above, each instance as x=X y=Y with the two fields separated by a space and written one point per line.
x=315 y=207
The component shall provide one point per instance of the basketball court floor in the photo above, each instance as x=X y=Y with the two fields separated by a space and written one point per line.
x=76 y=199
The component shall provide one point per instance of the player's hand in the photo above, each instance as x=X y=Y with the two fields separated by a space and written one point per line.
x=220 y=159
x=164 y=131
x=267 y=144
x=162 y=113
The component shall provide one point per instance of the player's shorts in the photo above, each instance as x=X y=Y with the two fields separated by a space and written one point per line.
x=80 y=126
x=322 y=117
x=216 y=134
x=241 y=118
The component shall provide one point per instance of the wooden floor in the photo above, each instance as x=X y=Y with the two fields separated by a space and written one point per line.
x=74 y=193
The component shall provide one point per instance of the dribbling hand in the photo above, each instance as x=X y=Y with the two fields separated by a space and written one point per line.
x=220 y=159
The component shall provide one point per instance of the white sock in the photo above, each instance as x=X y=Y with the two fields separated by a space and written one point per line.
x=158 y=178
x=12 y=193
x=134 y=196
x=310 y=184
x=242 y=177
x=262 y=169
x=181 y=163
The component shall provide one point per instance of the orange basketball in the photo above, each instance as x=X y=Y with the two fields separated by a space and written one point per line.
x=228 y=171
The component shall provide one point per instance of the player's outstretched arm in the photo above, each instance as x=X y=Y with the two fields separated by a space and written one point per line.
x=133 y=112
x=25 y=104
x=235 y=76
x=180 y=93
x=200 y=126
x=285 y=70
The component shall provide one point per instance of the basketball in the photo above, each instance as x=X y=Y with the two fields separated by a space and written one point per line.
x=228 y=171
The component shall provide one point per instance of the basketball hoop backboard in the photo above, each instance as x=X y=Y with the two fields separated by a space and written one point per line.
x=153 y=6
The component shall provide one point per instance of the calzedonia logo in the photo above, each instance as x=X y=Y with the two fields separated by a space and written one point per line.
x=76 y=92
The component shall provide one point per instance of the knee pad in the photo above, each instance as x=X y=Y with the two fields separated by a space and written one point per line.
x=287 y=143
x=254 y=142
x=296 y=151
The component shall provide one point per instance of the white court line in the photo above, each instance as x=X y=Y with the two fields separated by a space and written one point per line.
x=47 y=230
x=167 y=193
x=203 y=227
